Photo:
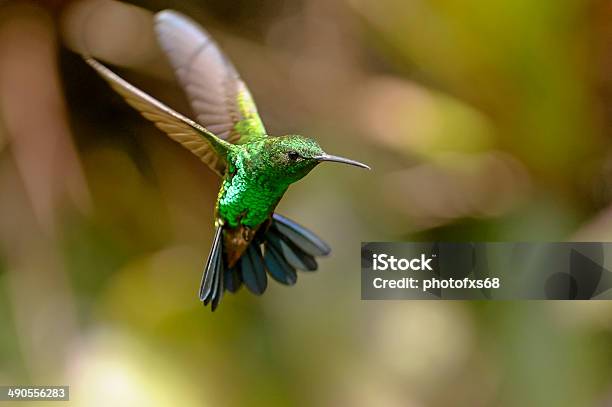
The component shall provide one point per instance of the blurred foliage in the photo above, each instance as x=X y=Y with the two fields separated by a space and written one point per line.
x=482 y=120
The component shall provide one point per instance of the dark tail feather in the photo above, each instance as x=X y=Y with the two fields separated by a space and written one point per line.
x=300 y=236
x=289 y=246
x=295 y=256
x=211 y=286
x=277 y=265
x=232 y=279
x=253 y=270
x=217 y=287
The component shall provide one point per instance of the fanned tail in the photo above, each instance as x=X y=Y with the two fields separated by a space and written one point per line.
x=287 y=247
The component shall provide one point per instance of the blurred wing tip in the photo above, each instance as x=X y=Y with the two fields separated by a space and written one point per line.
x=171 y=18
x=168 y=15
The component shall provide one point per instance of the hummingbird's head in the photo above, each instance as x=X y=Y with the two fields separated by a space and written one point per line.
x=295 y=156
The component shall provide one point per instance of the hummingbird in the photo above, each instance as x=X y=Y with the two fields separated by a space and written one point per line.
x=256 y=169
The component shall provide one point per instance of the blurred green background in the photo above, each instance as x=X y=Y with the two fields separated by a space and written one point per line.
x=482 y=120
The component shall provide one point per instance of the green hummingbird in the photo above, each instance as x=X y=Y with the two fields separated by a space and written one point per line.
x=256 y=169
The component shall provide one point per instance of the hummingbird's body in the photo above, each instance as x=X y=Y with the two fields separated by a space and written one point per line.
x=258 y=174
x=251 y=189
x=248 y=196
x=256 y=169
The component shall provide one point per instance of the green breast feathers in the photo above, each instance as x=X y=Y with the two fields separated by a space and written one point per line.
x=250 y=191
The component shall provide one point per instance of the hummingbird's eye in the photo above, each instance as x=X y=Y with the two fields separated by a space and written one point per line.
x=293 y=155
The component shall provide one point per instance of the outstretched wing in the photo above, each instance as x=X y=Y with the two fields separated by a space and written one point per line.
x=190 y=134
x=218 y=96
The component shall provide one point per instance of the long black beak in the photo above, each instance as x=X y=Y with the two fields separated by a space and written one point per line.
x=336 y=159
